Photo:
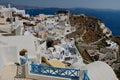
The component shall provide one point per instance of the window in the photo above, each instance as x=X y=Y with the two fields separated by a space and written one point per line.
x=68 y=31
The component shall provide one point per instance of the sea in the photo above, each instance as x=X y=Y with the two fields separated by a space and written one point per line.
x=111 y=18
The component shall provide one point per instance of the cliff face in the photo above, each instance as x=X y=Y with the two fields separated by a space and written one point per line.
x=101 y=45
x=88 y=29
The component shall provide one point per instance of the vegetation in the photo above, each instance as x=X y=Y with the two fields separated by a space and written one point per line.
x=85 y=54
x=9 y=20
x=117 y=73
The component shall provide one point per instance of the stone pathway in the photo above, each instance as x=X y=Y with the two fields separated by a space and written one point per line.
x=9 y=73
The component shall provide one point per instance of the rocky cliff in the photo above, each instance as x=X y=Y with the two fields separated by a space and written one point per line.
x=95 y=41
x=88 y=29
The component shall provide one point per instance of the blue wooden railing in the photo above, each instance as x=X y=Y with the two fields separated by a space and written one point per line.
x=55 y=71
x=86 y=77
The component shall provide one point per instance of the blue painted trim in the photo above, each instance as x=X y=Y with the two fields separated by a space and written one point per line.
x=55 y=71
x=86 y=77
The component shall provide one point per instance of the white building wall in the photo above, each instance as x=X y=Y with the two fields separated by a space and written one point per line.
x=100 y=71
x=9 y=54
x=21 y=42
x=1 y=63
x=7 y=13
x=20 y=12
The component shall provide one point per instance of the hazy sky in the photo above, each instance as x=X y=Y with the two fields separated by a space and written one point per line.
x=101 y=4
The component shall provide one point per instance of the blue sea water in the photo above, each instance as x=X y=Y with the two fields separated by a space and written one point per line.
x=111 y=18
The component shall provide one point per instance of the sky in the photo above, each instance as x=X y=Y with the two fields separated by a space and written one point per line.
x=96 y=4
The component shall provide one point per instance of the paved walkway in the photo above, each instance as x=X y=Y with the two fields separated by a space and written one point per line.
x=9 y=72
